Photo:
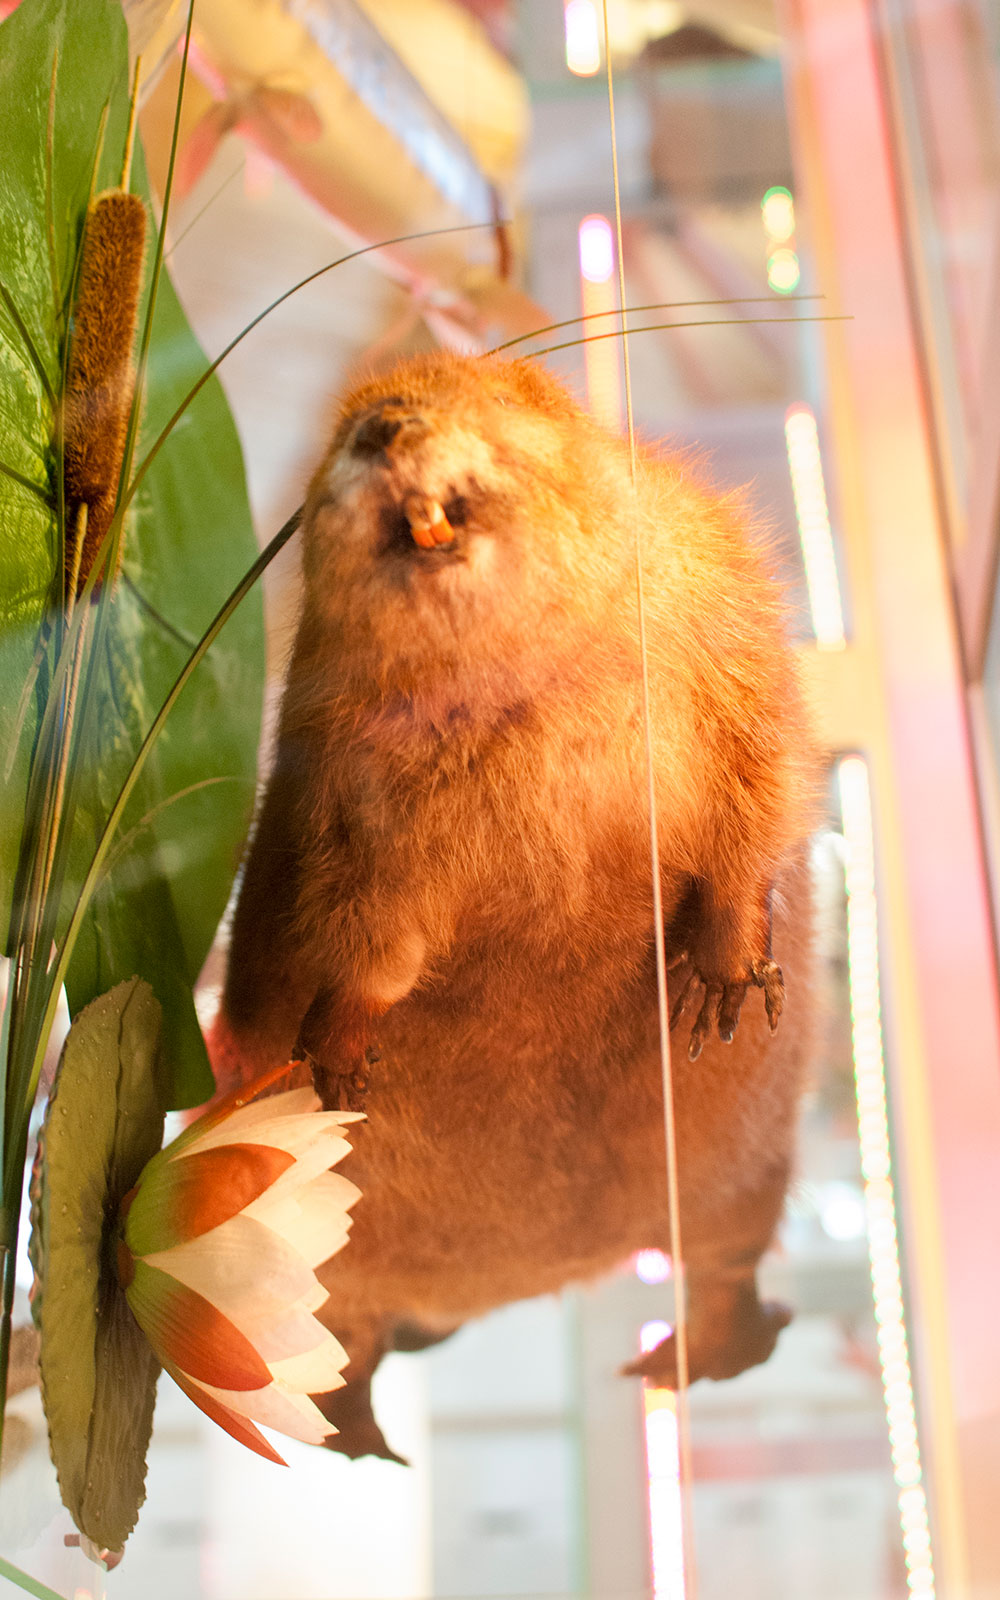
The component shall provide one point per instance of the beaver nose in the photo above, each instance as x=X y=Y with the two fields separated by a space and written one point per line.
x=377 y=431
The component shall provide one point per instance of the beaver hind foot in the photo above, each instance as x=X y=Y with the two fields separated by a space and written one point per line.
x=745 y=1336
x=349 y=1408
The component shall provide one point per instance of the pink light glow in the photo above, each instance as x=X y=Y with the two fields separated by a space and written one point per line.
x=652 y=1266
x=602 y=356
x=597 y=251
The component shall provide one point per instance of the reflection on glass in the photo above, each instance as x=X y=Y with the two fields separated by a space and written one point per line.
x=536 y=1469
x=876 y=1167
x=583 y=37
x=663 y=1467
x=815 y=535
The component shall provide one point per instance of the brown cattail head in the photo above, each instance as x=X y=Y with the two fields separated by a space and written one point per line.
x=101 y=379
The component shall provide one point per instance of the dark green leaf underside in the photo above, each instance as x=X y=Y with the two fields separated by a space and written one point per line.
x=103 y=1123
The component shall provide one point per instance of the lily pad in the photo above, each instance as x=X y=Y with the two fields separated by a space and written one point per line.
x=104 y=1121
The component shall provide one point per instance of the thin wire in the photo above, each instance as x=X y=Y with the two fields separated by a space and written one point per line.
x=657 y=305
x=202 y=209
x=657 y=327
x=670 y=1129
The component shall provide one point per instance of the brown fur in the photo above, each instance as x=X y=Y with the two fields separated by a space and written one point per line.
x=452 y=865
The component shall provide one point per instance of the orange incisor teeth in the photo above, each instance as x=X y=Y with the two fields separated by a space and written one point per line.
x=428 y=523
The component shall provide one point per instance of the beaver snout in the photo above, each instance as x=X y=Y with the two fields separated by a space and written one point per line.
x=387 y=426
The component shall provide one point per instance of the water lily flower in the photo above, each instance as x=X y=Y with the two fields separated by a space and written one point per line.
x=216 y=1253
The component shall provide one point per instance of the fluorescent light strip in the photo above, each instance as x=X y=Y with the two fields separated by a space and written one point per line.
x=663 y=1475
x=876 y=1167
x=601 y=357
x=583 y=40
x=805 y=465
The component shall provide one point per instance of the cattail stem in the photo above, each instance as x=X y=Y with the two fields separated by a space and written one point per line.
x=45 y=863
x=130 y=132
x=67 y=740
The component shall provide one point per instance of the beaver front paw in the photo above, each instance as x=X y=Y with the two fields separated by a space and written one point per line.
x=722 y=1002
x=337 y=1041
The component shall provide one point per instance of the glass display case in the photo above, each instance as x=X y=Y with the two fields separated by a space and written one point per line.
x=807 y=231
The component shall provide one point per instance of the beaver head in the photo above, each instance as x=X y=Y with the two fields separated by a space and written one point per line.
x=467 y=512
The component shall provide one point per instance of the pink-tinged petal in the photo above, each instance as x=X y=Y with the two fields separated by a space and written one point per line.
x=239 y=1428
x=293 y=1414
x=314 y=1371
x=180 y=1200
x=285 y=1337
x=314 y=1218
x=242 y=1267
x=187 y=1331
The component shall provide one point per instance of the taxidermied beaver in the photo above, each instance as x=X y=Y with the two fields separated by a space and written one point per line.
x=449 y=888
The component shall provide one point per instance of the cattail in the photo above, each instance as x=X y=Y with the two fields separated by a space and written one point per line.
x=101 y=379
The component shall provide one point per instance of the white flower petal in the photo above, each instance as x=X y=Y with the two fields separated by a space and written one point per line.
x=242 y=1124
x=298 y=1133
x=289 y=1103
x=313 y=1218
x=318 y=1297
x=235 y=1127
x=314 y=1371
x=325 y=1153
x=292 y=1414
x=242 y=1266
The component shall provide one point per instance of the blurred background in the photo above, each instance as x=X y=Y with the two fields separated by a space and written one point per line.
x=809 y=194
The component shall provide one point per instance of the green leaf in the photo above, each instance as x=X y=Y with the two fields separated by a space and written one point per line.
x=91 y=68
x=188 y=540
x=104 y=1121
x=25 y=1581
x=187 y=546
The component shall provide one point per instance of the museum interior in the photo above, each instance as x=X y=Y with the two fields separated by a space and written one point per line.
x=500 y=174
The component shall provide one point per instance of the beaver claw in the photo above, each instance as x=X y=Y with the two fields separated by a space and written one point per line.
x=716 y=998
x=722 y=1003
x=767 y=976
